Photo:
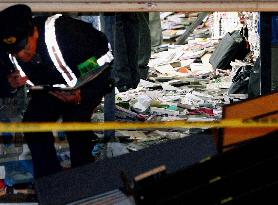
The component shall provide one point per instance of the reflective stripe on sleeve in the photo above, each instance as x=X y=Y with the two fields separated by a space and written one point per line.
x=106 y=58
x=18 y=67
x=55 y=52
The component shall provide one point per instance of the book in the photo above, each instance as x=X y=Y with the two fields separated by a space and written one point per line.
x=84 y=79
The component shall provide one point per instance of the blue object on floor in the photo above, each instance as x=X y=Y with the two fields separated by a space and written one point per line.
x=97 y=149
x=18 y=172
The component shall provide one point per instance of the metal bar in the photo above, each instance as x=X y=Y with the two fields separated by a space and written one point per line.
x=191 y=28
x=144 y=5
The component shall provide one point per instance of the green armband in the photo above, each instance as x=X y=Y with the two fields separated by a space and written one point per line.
x=88 y=65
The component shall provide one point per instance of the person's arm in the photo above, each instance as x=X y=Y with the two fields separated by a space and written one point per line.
x=15 y=80
x=10 y=82
x=77 y=48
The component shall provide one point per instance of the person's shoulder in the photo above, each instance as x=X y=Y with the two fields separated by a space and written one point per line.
x=78 y=27
x=68 y=20
x=59 y=19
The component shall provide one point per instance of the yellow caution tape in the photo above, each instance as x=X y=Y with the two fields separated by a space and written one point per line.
x=97 y=126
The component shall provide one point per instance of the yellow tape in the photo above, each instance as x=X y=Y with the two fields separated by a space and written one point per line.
x=79 y=126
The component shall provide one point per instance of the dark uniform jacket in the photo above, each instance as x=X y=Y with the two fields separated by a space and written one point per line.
x=77 y=40
x=6 y=67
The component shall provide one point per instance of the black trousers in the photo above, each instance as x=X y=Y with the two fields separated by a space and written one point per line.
x=43 y=107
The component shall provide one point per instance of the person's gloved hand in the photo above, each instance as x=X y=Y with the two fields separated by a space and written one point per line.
x=68 y=96
x=15 y=80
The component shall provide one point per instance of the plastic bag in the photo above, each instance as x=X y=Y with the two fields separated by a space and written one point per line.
x=241 y=80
